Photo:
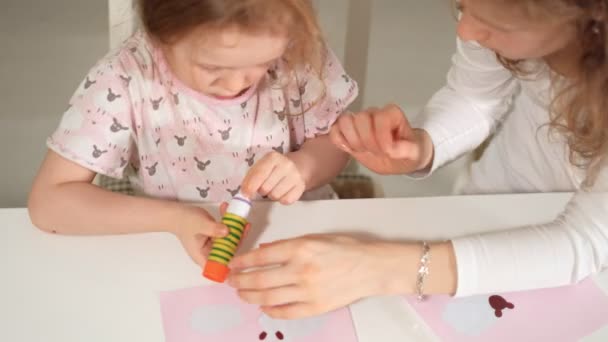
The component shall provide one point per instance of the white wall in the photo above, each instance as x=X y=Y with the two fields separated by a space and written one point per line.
x=45 y=49
x=411 y=43
x=48 y=46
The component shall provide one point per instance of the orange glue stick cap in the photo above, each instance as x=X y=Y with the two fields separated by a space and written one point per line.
x=216 y=271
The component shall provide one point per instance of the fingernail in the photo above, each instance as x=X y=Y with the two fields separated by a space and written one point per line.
x=346 y=149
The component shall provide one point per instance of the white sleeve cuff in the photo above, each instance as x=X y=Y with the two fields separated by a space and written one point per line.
x=465 y=260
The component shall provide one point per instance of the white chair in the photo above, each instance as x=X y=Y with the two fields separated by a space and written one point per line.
x=122 y=20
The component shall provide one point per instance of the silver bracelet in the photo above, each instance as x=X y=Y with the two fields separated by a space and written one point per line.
x=423 y=270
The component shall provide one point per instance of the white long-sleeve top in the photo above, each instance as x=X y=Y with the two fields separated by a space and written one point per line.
x=482 y=97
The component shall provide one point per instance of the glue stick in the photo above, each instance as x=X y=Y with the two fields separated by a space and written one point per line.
x=223 y=249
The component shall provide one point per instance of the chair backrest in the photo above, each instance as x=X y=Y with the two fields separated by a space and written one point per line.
x=123 y=20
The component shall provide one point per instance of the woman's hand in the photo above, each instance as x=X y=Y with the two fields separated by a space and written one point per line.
x=315 y=274
x=383 y=141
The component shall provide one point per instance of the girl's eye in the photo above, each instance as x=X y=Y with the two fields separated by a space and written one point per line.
x=459 y=6
x=270 y=64
x=209 y=68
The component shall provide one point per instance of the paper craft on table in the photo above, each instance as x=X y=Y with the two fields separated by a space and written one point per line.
x=559 y=314
x=216 y=313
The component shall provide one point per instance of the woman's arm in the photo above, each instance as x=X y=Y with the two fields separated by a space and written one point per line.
x=464 y=113
x=456 y=120
x=324 y=272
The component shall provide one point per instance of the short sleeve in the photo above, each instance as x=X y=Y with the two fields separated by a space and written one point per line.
x=322 y=98
x=96 y=129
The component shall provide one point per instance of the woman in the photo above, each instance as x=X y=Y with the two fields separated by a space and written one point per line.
x=535 y=74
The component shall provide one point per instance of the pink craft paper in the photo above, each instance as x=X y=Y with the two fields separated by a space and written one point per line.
x=559 y=314
x=215 y=313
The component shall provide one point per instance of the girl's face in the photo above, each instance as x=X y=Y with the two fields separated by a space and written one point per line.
x=505 y=28
x=224 y=63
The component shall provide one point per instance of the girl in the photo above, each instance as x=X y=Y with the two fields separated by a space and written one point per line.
x=211 y=95
x=535 y=74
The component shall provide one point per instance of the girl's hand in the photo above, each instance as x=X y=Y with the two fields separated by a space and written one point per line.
x=195 y=231
x=277 y=177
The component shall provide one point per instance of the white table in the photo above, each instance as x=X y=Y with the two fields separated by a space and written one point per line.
x=58 y=288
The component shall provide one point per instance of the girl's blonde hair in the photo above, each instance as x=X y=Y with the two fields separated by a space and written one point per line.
x=167 y=20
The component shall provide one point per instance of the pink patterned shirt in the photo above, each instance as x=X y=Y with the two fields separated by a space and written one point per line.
x=131 y=117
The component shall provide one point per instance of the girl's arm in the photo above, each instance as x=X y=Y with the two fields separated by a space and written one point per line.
x=63 y=200
x=319 y=161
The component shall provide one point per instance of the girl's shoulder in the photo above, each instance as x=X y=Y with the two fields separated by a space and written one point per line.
x=134 y=60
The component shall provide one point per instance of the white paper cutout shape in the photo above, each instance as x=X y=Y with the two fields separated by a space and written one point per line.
x=215 y=319
x=470 y=315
